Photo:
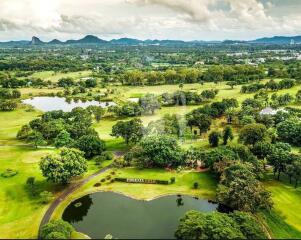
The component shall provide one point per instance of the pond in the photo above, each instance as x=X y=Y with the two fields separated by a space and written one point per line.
x=103 y=213
x=46 y=104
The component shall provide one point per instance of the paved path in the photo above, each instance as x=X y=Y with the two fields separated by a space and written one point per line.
x=69 y=190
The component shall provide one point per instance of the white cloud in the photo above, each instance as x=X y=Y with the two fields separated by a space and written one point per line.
x=186 y=19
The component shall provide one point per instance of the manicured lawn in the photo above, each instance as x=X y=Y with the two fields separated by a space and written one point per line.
x=279 y=229
x=55 y=76
x=287 y=201
x=20 y=213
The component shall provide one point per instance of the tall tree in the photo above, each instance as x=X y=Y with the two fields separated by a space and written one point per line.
x=132 y=131
x=63 y=167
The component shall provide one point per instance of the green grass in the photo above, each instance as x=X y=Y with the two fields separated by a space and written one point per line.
x=20 y=213
x=279 y=229
x=287 y=200
x=55 y=76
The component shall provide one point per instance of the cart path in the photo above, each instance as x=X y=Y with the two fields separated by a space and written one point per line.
x=69 y=190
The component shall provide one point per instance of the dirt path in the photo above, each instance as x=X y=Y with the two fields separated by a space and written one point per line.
x=69 y=190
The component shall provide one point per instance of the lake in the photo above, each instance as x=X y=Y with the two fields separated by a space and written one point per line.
x=103 y=213
x=46 y=104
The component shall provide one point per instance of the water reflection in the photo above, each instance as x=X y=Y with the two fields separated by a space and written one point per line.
x=126 y=218
x=46 y=104
x=78 y=209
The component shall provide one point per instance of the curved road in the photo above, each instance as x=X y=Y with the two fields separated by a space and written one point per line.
x=65 y=194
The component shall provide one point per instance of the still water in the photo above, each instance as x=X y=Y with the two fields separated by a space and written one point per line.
x=46 y=104
x=105 y=213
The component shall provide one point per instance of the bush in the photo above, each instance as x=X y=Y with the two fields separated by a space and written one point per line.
x=8 y=173
x=172 y=180
x=58 y=228
x=46 y=197
x=196 y=185
x=97 y=184
x=103 y=180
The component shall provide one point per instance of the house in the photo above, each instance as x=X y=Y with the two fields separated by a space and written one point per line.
x=270 y=111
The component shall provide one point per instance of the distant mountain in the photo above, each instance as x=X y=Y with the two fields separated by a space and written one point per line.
x=36 y=41
x=55 y=41
x=126 y=41
x=89 y=39
x=278 y=40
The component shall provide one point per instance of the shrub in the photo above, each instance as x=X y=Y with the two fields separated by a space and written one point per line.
x=196 y=185
x=97 y=184
x=8 y=173
x=103 y=180
x=172 y=180
x=46 y=197
x=58 y=228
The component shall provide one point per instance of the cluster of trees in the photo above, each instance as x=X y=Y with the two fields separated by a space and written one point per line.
x=236 y=225
x=71 y=129
x=217 y=73
x=237 y=73
x=182 y=98
x=8 y=98
x=169 y=76
x=215 y=136
x=8 y=81
x=279 y=156
x=147 y=104
x=57 y=229
x=202 y=117
x=69 y=82
x=270 y=85
x=156 y=151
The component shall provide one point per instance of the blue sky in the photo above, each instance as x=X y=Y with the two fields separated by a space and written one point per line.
x=149 y=19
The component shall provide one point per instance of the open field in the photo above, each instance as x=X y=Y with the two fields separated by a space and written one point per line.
x=55 y=76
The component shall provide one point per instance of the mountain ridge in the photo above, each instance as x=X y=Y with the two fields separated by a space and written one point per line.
x=91 y=39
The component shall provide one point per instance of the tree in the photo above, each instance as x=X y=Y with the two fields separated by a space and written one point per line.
x=156 y=151
x=36 y=138
x=132 y=131
x=62 y=139
x=214 y=138
x=297 y=171
x=252 y=133
x=63 y=167
x=8 y=105
x=240 y=190
x=91 y=145
x=278 y=158
x=290 y=131
x=197 y=225
x=56 y=229
x=227 y=135
x=97 y=111
x=202 y=121
x=149 y=103
x=248 y=225
x=231 y=84
x=24 y=132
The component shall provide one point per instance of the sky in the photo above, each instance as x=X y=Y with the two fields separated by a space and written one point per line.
x=149 y=19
